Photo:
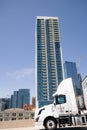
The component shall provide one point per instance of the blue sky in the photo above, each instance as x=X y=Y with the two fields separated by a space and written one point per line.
x=17 y=39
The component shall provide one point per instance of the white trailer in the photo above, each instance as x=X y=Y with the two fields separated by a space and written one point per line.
x=63 y=111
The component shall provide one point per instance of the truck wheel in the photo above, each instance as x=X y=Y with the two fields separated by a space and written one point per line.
x=50 y=124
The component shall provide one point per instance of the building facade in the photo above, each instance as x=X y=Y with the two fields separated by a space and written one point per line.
x=23 y=97
x=19 y=98
x=4 y=103
x=16 y=114
x=70 y=70
x=84 y=86
x=34 y=101
x=49 y=62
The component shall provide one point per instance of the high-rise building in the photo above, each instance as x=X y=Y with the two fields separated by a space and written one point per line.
x=70 y=70
x=4 y=103
x=34 y=101
x=84 y=86
x=15 y=100
x=23 y=97
x=49 y=62
x=19 y=98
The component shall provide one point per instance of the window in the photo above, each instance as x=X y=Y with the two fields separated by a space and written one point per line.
x=13 y=114
x=60 y=99
x=6 y=119
x=7 y=114
x=20 y=114
x=13 y=118
x=26 y=113
x=1 y=115
x=26 y=117
x=1 y=119
x=20 y=118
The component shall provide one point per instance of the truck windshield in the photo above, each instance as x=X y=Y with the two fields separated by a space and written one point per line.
x=60 y=99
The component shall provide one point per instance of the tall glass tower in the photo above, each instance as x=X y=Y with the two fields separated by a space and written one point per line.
x=19 y=98
x=70 y=70
x=49 y=63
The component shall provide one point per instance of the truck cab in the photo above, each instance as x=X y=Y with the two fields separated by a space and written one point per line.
x=62 y=109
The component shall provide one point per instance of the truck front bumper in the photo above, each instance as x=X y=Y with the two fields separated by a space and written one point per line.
x=38 y=123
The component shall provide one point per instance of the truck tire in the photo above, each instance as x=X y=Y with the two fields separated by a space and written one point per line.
x=50 y=124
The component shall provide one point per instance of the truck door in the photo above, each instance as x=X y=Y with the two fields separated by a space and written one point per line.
x=60 y=101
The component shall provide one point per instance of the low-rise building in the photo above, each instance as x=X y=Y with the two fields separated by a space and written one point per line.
x=16 y=114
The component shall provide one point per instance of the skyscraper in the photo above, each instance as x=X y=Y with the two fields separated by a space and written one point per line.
x=49 y=62
x=19 y=98
x=4 y=103
x=84 y=86
x=70 y=70
x=23 y=97
x=34 y=101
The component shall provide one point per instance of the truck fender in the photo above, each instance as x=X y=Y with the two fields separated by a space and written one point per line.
x=49 y=117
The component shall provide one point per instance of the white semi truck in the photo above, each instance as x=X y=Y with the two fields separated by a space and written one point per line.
x=63 y=112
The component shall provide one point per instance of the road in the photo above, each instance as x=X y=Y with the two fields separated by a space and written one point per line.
x=23 y=128
x=33 y=128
